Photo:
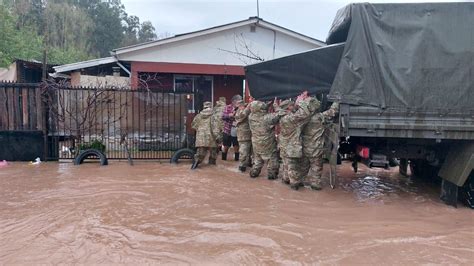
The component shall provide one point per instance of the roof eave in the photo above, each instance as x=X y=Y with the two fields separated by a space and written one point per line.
x=180 y=37
x=183 y=36
x=84 y=64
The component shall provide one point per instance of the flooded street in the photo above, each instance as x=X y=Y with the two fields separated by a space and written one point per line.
x=162 y=213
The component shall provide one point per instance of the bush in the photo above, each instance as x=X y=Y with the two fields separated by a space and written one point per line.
x=95 y=144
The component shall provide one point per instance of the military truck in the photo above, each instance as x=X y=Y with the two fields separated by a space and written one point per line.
x=404 y=77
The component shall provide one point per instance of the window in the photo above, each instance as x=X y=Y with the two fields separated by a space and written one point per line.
x=198 y=89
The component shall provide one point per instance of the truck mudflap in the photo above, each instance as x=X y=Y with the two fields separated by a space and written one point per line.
x=458 y=164
x=456 y=170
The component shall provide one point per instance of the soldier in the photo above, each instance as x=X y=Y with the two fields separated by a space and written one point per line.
x=230 y=126
x=262 y=125
x=219 y=110
x=291 y=149
x=244 y=135
x=206 y=140
x=313 y=142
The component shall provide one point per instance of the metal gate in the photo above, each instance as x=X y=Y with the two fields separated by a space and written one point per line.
x=142 y=124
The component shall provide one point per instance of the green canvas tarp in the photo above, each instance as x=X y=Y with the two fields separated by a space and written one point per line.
x=402 y=56
x=288 y=76
x=416 y=56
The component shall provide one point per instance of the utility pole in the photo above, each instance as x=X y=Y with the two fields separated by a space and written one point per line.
x=258 y=10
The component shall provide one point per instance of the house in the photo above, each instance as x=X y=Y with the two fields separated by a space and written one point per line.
x=207 y=64
x=24 y=71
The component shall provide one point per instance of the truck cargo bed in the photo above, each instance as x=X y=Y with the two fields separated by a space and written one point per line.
x=362 y=121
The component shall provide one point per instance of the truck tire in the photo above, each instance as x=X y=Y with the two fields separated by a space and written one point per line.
x=88 y=153
x=422 y=169
x=468 y=191
x=184 y=153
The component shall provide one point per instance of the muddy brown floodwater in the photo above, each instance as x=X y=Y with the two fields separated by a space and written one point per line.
x=162 y=213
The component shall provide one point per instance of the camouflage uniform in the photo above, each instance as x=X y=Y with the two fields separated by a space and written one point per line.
x=291 y=149
x=313 y=143
x=218 y=110
x=262 y=125
x=205 y=135
x=244 y=137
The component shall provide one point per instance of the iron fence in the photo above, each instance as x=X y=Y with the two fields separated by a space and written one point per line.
x=140 y=124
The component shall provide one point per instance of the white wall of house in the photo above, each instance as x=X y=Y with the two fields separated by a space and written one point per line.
x=220 y=48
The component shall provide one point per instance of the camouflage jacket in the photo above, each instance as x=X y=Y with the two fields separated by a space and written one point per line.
x=291 y=125
x=205 y=131
x=313 y=133
x=243 y=126
x=218 y=111
x=262 y=126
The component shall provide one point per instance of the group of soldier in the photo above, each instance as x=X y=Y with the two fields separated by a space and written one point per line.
x=299 y=144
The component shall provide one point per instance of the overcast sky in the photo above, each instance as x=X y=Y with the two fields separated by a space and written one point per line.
x=310 y=17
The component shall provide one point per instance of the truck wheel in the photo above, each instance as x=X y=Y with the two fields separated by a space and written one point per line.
x=91 y=153
x=468 y=191
x=184 y=153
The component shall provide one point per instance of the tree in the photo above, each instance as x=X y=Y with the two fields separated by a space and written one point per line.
x=147 y=32
x=108 y=31
x=71 y=30
x=68 y=28
x=14 y=43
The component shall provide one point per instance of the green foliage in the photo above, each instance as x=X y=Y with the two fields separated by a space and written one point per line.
x=95 y=144
x=21 y=43
x=70 y=30
x=59 y=56
x=147 y=32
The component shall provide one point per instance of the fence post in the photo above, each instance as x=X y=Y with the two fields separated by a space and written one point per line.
x=44 y=119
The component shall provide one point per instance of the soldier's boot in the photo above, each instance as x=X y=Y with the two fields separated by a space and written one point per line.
x=242 y=168
x=316 y=184
x=295 y=186
x=272 y=176
x=212 y=161
x=195 y=164
x=224 y=156
x=236 y=156
x=254 y=172
x=285 y=180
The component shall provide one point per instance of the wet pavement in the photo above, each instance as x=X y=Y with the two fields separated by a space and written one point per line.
x=161 y=213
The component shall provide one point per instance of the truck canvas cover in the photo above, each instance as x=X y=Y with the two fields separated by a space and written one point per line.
x=417 y=56
x=288 y=76
x=398 y=56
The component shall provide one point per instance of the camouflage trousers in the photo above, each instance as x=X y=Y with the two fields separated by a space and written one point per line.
x=202 y=152
x=313 y=168
x=294 y=171
x=284 y=170
x=272 y=167
x=245 y=151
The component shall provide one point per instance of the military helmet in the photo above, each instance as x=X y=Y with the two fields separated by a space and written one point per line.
x=257 y=106
x=284 y=104
x=314 y=104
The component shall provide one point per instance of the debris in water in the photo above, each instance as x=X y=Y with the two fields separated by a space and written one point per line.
x=37 y=161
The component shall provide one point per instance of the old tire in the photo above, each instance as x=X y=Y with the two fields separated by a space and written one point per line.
x=88 y=153
x=184 y=153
